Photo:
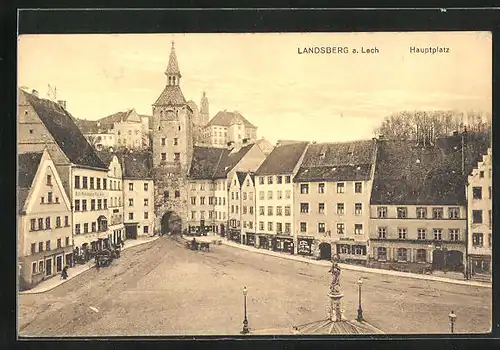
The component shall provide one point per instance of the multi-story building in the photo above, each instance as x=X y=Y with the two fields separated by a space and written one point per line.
x=173 y=140
x=116 y=230
x=332 y=199
x=227 y=127
x=275 y=196
x=248 y=211
x=479 y=200
x=44 y=220
x=130 y=131
x=211 y=172
x=138 y=194
x=102 y=140
x=46 y=124
x=418 y=203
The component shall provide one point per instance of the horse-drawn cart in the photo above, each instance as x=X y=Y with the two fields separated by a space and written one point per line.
x=105 y=257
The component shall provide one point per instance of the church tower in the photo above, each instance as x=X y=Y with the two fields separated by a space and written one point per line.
x=172 y=151
x=204 y=110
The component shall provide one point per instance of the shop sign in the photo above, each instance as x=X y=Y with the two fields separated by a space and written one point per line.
x=304 y=246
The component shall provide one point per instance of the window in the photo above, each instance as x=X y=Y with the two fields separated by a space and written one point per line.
x=131 y=216
x=304 y=208
x=176 y=141
x=269 y=180
x=77 y=229
x=261 y=225
x=481 y=174
x=402 y=254
x=40 y=247
x=279 y=227
x=489 y=240
x=261 y=180
x=33 y=248
x=358 y=187
x=245 y=196
x=40 y=223
x=58 y=221
x=421 y=233
x=321 y=188
x=261 y=195
x=288 y=210
x=269 y=226
x=163 y=141
x=477 y=192
x=94 y=226
x=402 y=212
x=358 y=229
x=130 y=186
x=91 y=183
x=321 y=208
x=104 y=182
x=177 y=157
x=340 y=187
x=146 y=215
x=304 y=188
x=279 y=179
x=269 y=194
x=145 y=229
x=49 y=180
x=49 y=197
x=402 y=233
x=77 y=181
x=193 y=200
x=454 y=234
x=358 y=208
x=84 y=205
x=340 y=229
x=261 y=210
x=269 y=210
x=288 y=194
x=489 y=218
x=287 y=179
x=105 y=203
x=84 y=182
x=340 y=208
x=47 y=222
x=454 y=213
x=177 y=194
x=66 y=241
x=163 y=156
x=438 y=234
x=279 y=194
x=477 y=239
x=47 y=245
x=477 y=216
x=33 y=224
x=382 y=253
x=251 y=210
x=42 y=200
x=381 y=212
x=489 y=192
x=279 y=210
x=382 y=232
x=99 y=181
x=92 y=204
x=321 y=227
x=421 y=213
x=99 y=204
x=232 y=208
x=303 y=227
x=421 y=255
x=130 y=202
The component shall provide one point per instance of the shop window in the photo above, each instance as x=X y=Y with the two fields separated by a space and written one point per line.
x=402 y=254
x=421 y=255
x=382 y=253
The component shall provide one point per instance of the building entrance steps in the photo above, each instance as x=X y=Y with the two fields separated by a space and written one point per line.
x=56 y=280
x=356 y=267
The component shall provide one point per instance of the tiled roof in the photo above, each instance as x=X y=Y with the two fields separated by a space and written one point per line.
x=28 y=164
x=171 y=96
x=214 y=163
x=225 y=118
x=65 y=132
x=282 y=159
x=409 y=174
x=105 y=156
x=241 y=176
x=136 y=165
x=345 y=161
x=105 y=123
x=173 y=66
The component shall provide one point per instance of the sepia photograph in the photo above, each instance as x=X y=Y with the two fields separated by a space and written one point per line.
x=254 y=184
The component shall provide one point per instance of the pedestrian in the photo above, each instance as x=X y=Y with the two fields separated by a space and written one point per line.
x=64 y=273
x=292 y=251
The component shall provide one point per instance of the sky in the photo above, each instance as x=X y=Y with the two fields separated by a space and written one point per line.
x=287 y=95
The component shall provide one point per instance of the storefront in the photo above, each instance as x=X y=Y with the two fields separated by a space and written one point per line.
x=304 y=245
x=283 y=244
x=250 y=239
x=264 y=242
x=235 y=235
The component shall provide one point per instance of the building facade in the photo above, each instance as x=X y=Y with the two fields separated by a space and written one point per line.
x=44 y=220
x=227 y=127
x=332 y=199
x=480 y=219
x=274 y=192
x=130 y=131
x=116 y=228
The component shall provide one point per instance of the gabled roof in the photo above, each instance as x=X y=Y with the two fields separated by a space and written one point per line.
x=225 y=118
x=241 y=177
x=214 y=163
x=105 y=123
x=342 y=161
x=171 y=96
x=105 y=156
x=28 y=164
x=65 y=132
x=283 y=159
x=136 y=165
x=409 y=174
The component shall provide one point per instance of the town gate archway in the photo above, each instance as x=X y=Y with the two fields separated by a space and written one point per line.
x=325 y=251
x=171 y=223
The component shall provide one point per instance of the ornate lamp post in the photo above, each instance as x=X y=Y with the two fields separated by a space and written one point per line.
x=360 y=310
x=245 y=321
x=452 y=317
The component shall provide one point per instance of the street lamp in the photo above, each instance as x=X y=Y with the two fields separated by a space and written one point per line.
x=452 y=317
x=245 y=321
x=360 y=310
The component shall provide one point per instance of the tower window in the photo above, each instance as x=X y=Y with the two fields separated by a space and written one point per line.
x=179 y=128
x=163 y=156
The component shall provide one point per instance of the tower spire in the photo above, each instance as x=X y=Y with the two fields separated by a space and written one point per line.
x=173 y=73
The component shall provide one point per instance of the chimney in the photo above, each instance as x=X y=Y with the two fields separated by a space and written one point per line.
x=62 y=103
x=35 y=93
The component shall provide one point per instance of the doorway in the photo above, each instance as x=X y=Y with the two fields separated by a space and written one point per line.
x=325 y=251
x=48 y=267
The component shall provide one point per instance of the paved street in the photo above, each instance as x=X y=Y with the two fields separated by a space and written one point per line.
x=161 y=288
